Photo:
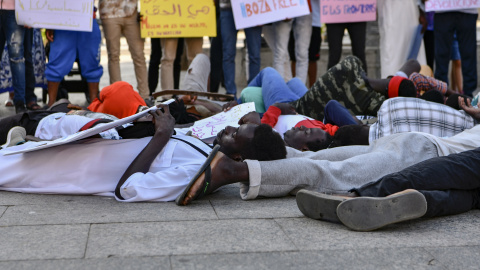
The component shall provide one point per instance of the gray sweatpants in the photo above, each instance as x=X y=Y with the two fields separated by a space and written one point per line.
x=336 y=170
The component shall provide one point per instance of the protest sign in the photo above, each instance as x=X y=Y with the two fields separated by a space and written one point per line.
x=249 y=13
x=56 y=14
x=443 y=5
x=175 y=18
x=341 y=11
x=209 y=127
x=88 y=132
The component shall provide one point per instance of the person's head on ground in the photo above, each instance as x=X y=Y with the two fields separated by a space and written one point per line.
x=452 y=101
x=433 y=96
x=401 y=87
x=350 y=135
x=412 y=65
x=251 y=141
x=307 y=139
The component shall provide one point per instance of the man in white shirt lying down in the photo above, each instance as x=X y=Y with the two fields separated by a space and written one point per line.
x=154 y=168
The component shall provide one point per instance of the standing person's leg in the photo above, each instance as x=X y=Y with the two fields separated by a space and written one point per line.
x=177 y=65
x=88 y=50
x=345 y=83
x=196 y=77
x=30 y=97
x=254 y=40
x=467 y=36
x=14 y=35
x=302 y=31
x=229 y=49
x=169 y=49
x=358 y=32
x=216 y=56
x=154 y=64
x=335 y=33
x=112 y=28
x=314 y=54
x=274 y=88
x=429 y=41
x=131 y=31
x=194 y=47
x=60 y=61
x=443 y=33
x=281 y=33
x=450 y=184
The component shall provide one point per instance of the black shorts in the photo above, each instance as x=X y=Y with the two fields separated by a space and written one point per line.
x=313 y=49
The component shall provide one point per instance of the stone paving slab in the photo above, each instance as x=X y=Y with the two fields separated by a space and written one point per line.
x=403 y=258
x=144 y=263
x=43 y=242
x=110 y=211
x=187 y=237
x=465 y=257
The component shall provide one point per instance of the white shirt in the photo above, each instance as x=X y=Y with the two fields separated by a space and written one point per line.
x=94 y=166
x=286 y=122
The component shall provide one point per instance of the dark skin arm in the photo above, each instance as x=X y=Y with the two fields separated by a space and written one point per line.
x=468 y=108
x=164 y=123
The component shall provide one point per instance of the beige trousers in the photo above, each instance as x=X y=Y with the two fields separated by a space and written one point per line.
x=113 y=29
x=169 y=49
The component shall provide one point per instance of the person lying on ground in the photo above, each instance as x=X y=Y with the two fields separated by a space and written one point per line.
x=120 y=168
x=438 y=186
x=346 y=82
x=336 y=170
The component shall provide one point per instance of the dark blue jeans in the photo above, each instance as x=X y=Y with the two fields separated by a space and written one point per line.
x=450 y=184
x=338 y=115
x=464 y=24
x=13 y=34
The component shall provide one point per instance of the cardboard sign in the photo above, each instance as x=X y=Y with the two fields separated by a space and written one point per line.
x=209 y=127
x=341 y=11
x=249 y=13
x=438 y=5
x=56 y=14
x=86 y=133
x=178 y=18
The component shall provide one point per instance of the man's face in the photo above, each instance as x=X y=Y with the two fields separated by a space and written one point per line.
x=232 y=140
x=298 y=137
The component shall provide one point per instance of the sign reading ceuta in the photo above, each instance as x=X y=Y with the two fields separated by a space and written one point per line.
x=439 y=5
x=341 y=11
x=178 y=18
x=249 y=13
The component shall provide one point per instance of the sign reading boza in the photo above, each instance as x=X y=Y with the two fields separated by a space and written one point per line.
x=438 y=5
x=340 y=11
x=248 y=13
x=178 y=18
x=56 y=14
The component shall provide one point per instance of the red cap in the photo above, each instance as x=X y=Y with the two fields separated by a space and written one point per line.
x=393 y=86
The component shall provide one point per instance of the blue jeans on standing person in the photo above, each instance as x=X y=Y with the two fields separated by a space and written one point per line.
x=464 y=24
x=274 y=88
x=13 y=34
x=229 y=42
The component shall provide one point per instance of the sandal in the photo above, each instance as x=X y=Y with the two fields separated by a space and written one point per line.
x=202 y=177
x=33 y=106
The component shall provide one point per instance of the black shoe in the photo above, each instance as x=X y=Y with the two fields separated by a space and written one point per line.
x=20 y=108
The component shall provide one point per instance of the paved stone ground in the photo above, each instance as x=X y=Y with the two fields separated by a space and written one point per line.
x=218 y=232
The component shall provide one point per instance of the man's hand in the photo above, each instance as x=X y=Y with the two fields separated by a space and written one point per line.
x=250 y=118
x=468 y=108
x=285 y=108
x=229 y=105
x=49 y=34
x=163 y=121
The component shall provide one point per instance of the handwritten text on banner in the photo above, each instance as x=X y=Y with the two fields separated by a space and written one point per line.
x=178 y=18
x=209 y=127
x=438 y=5
x=340 y=11
x=56 y=14
x=249 y=13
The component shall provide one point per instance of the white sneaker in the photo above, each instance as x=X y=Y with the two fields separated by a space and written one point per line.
x=15 y=136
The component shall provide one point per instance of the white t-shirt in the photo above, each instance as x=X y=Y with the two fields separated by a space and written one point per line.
x=94 y=166
x=59 y=125
x=467 y=140
x=286 y=122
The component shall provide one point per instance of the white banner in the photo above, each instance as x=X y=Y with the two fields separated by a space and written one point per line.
x=249 y=13
x=75 y=15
